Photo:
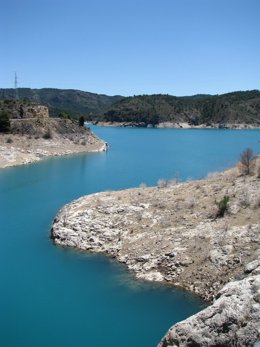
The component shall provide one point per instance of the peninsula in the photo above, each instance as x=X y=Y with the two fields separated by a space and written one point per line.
x=200 y=235
x=28 y=134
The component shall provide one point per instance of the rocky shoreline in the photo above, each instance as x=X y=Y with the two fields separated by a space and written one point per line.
x=171 y=233
x=32 y=140
x=178 y=125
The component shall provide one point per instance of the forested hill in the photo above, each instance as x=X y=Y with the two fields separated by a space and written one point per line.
x=75 y=102
x=234 y=108
x=241 y=107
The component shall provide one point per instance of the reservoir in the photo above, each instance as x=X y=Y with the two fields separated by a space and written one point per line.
x=52 y=296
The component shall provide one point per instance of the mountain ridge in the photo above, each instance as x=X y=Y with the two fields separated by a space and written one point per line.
x=239 y=107
x=234 y=108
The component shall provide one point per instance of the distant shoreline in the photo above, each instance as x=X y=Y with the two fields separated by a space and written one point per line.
x=177 y=125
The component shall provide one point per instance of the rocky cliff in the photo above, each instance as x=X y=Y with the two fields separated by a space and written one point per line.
x=174 y=233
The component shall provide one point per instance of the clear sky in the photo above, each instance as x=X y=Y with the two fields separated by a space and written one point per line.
x=127 y=47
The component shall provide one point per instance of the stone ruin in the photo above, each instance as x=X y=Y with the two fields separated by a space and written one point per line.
x=19 y=110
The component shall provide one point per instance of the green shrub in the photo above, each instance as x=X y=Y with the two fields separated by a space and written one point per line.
x=64 y=115
x=222 y=206
x=81 y=121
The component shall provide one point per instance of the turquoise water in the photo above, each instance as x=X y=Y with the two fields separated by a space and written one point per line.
x=58 y=297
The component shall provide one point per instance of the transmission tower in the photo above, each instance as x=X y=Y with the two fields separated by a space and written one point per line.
x=16 y=95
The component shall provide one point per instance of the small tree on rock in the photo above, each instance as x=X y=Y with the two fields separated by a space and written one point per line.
x=81 y=121
x=64 y=115
x=222 y=206
x=246 y=161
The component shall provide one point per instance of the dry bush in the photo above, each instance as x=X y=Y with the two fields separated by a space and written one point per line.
x=159 y=205
x=212 y=174
x=48 y=134
x=173 y=182
x=257 y=168
x=162 y=183
x=244 y=199
x=139 y=216
x=165 y=223
x=256 y=203
x=190 y=202
x=246 y=162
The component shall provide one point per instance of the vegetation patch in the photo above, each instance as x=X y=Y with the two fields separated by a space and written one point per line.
x=246 y=163
x=5 y=124
x=222 y=206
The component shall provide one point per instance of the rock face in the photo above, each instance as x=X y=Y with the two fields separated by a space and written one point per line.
x=32 y=111
x=171 y=233
x=21 y=110
x=232 y=320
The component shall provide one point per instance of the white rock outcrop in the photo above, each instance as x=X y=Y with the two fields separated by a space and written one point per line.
x=170 y=233
x=232 y=320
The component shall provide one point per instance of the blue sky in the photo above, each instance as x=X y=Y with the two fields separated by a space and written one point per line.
x=178 y=47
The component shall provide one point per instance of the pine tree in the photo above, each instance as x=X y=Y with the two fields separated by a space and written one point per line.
x=5 y=125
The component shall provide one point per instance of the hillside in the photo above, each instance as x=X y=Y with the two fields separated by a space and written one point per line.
x=231 y=108
x=75 y=102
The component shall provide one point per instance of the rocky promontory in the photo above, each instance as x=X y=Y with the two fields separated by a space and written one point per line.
x=31 y=135
x=181 y=234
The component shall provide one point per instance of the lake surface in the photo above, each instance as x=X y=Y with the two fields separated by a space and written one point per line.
x=58 y=297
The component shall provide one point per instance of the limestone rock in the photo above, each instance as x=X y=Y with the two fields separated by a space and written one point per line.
x=232 y=320
x=161 y=236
